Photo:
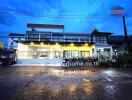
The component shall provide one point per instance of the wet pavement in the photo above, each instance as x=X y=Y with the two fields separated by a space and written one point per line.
x=54 y=83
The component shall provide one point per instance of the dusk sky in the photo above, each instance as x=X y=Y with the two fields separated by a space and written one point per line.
x=77 y=15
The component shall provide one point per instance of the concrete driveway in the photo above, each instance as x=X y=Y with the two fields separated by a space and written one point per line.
x=54 y=83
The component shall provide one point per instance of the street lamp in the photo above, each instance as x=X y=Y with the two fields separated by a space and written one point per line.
x=115 y=52
x=119 y=11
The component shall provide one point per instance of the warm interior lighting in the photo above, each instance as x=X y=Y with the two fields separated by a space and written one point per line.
x=86 y=44
x=57 y=43
x=32 y=43
x=42 y=43
x=72 y=44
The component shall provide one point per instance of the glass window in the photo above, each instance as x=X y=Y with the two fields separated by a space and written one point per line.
x=45 y=37
x=58 y=54
x=101 y=39
x=94 y=39
x=71 y=54
x=85 y=54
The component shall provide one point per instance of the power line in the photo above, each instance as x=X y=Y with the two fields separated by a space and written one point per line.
x=7 y=11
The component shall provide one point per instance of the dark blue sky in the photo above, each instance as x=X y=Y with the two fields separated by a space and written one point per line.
x=76 y=15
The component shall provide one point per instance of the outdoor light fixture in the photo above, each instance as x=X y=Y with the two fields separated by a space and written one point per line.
x=32 y=43
x=72 y=44
x=42 y=43
x=57 y=43
x=86 y=44
x=115 y=50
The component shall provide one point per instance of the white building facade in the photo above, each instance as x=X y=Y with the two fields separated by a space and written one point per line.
x=50 y=44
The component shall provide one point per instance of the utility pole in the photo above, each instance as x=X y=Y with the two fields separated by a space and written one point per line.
x=125 y=33
x=119 y=11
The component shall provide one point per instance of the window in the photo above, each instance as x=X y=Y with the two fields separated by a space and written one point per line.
x=71 y=54
x=107 y=52
x=85 y=54
x=94 y=39
x=103 y=39
x=100 y=39
x=58 y=54
x=33 y=37
x=45 y=37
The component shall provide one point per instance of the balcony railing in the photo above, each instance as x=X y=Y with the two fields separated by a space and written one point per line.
x=52 y=38
x=57 y=40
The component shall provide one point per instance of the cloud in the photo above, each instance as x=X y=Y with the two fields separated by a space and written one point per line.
x=76 y=15
x=6 y=20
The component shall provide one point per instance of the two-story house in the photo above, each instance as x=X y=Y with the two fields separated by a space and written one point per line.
x=44 y=43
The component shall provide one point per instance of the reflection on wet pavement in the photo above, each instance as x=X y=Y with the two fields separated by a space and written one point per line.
x=67 y=92
x=49 y=83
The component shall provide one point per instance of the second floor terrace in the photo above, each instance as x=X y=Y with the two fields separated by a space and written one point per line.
x=57 y=37
x=64 y=37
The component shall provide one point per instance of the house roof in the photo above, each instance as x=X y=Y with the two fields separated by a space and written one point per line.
x=15 y=35
x=96 y=32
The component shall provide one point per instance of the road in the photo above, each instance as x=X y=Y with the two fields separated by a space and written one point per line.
x=54 y=83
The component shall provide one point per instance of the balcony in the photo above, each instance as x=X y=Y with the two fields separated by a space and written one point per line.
x=57 y=38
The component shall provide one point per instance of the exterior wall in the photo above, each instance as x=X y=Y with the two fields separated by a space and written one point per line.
x=31 y=54
x=23 y=51
x=27 y=51
x=12 y=44
x=45 y=61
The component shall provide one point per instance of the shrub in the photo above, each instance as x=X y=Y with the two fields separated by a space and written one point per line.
x=124 y=60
